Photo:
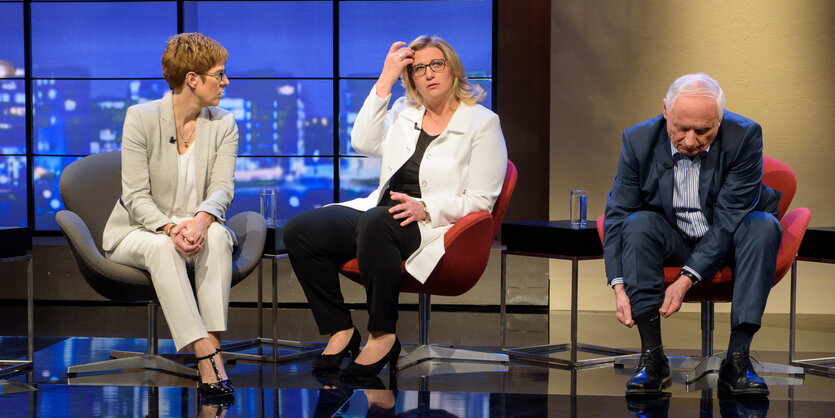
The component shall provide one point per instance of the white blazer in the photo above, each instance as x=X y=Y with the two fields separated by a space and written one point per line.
x=149 y=168
x=462 y=170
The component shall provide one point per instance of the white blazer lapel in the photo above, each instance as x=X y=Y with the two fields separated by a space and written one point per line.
x=168 y=131
x=202 y=139
x=461 y=119
x=406 y=131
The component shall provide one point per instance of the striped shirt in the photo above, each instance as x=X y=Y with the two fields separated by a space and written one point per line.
x=688 y=211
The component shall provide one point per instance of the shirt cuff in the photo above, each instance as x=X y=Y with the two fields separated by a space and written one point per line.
x=693 y=272
x=616 y=280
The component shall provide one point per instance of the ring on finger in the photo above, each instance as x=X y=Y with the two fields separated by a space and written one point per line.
x=410 y=213
x=401 y=55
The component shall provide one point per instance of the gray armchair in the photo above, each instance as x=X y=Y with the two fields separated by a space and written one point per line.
x=89 y=188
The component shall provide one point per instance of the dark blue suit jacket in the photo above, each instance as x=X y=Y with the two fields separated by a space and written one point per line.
x=730 y=186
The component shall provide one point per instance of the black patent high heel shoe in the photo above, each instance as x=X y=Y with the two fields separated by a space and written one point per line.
x=333 y=361
x=214 y=390
x=355 y=370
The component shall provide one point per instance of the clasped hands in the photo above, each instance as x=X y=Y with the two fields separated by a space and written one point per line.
x=673 y=297
x=190 y=236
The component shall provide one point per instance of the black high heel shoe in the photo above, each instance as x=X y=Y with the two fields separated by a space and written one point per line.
x=214 y=390
x=332 y=361
x=355 y=370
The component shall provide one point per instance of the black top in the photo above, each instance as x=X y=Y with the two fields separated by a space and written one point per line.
x=406 y=179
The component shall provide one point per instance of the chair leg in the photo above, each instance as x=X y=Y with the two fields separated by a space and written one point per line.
x=153 y=339
x=301 y=350
x=127 y=360
x=823 y=365
x=151 y=362
x=481 y=361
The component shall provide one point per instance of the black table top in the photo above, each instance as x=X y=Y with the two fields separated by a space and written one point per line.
x=818 y=244
x=555 y=238
x=15 y=241
x=274 y=242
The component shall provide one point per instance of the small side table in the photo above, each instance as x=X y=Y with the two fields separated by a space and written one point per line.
x=15 y=242
x=554 y=239
x=274 y=250
x=817 y=247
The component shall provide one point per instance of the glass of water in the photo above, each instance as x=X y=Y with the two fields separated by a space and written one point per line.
x=268 y=210
x=579 y=203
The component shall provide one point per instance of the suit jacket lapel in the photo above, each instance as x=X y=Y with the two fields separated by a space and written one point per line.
x=201 y=161
x=413 y=116
x=706 y=176
x=410 y=120
x=168 y=129
x=664 y=165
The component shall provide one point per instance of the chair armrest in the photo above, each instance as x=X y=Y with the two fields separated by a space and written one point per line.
x=794 y=226
x=79 y=237
x=251 y=230
x=112 y=280
x=466 y=223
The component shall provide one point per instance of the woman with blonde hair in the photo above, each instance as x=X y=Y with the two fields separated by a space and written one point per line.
x=443 y=157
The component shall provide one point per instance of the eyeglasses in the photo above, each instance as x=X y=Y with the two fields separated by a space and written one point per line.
x=436 y=66
x=218 y=76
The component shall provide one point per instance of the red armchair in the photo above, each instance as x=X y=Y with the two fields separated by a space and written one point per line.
x=776 y=175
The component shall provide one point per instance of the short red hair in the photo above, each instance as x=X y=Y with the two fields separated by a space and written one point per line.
x=190 y=52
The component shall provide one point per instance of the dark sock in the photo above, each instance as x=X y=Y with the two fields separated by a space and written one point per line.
x=741 y=336
x=649 y=326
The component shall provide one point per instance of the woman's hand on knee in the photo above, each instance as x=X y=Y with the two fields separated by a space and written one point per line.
x=409 y=209
x=193 y=232
x=183 y=241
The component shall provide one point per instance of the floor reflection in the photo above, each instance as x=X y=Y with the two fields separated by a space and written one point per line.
x=293 y=390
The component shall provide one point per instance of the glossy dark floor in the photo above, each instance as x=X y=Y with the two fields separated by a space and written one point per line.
x=291 y=390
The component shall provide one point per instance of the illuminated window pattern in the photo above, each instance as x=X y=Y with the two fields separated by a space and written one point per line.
x=294 y=90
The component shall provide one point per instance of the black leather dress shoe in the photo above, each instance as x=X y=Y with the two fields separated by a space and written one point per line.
x=652 y=374
x=737 y=376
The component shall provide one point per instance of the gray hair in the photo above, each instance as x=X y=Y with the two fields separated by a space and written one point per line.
x=698 y=84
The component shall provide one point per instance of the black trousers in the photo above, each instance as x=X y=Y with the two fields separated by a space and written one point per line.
x=321 y=240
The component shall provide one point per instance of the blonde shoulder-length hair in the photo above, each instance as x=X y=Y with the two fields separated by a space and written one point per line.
x=462 y=89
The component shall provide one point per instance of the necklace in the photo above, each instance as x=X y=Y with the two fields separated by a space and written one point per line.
x=185 y=138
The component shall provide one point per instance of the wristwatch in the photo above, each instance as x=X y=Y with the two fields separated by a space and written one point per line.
x=691 y=276
x=426 y=218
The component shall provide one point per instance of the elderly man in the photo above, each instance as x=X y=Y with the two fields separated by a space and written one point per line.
x=689 y=192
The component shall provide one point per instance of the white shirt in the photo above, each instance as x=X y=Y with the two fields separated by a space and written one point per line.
x=186 y=200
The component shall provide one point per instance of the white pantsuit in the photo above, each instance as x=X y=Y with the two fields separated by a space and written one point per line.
x=150 y=178
x=189 y=320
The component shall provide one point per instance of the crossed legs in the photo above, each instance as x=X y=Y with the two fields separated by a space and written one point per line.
x=321 y=240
